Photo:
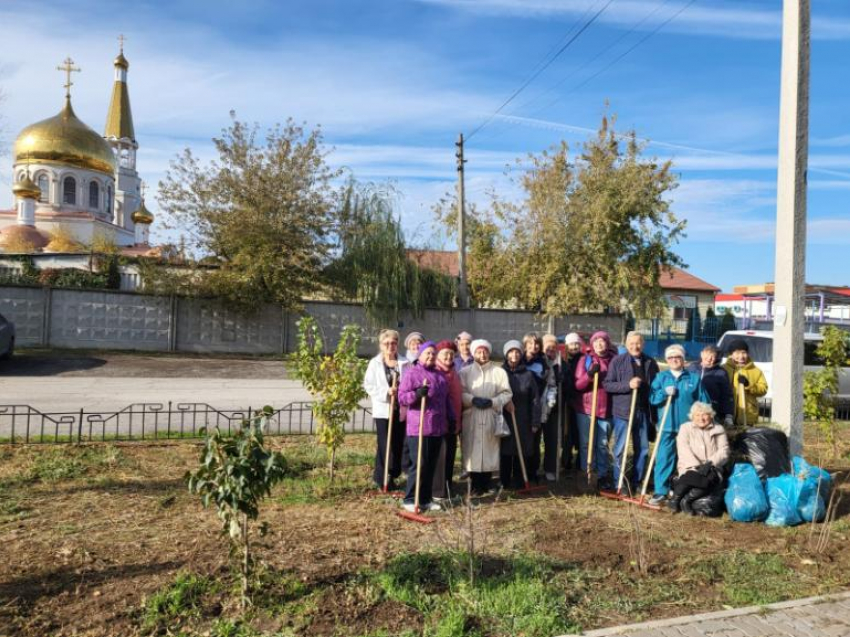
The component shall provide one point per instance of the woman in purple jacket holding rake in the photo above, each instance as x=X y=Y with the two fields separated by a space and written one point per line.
x=425 y=381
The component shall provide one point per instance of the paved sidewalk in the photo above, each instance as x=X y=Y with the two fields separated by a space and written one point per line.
x=825 y=616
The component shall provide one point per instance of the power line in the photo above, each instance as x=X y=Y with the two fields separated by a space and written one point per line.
x=602 y=52
x=537 y=73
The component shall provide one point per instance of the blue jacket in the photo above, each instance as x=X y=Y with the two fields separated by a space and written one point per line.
x=690 y=390
x=715 y=380
x=616 y=383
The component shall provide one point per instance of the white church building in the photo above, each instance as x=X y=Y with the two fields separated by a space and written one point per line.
x=70 y=180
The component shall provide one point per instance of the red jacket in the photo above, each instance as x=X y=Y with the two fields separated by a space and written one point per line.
x=583 y=402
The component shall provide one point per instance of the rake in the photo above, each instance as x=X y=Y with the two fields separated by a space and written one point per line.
x=527 y=488
x=416 y=514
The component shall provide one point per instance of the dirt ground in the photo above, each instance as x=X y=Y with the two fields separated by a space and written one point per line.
x=82 y=552
x=83 y=363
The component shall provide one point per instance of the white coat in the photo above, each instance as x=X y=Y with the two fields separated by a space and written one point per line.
x=480 y=447
x=376 y=385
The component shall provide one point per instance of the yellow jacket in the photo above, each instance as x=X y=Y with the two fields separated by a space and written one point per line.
x=752 y=392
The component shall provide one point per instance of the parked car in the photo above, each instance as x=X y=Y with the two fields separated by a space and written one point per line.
x=7 y=338
x=761 y=353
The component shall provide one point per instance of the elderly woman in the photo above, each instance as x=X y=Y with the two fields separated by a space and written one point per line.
x=595 y=363
x=544 y=376
x=464 y=354
x=424 y=381
x=551 y=429
x=411 y=343
x=683 y=389
x=381 y=383
x=573 y=346
x=486 y=391
x=525 y=407
x=703 y=450
x=444 y=472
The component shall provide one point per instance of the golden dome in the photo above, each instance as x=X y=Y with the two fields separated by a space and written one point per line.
x=142 y=215
x=26 y=189
x=64 y=139
x=122 y=61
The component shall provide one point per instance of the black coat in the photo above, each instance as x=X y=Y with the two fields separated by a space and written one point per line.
x=527 y=408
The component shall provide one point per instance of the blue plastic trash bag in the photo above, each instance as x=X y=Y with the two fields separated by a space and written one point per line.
x=745 y=498
x=815 y=485
x=783 y=494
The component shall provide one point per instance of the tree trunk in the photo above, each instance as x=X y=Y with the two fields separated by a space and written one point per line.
x=332 y=463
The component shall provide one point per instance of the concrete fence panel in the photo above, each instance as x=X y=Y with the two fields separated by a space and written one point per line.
x=206 y=326
x=25 y=308
x=109 y=320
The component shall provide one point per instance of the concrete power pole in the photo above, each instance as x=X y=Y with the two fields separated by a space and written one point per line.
x=463 y=290
x=790 y=275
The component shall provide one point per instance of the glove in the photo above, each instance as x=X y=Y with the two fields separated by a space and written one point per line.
x=729 y=421
x=671 y=390
x=594 y=369
x=482 y=403
x=421 y=392
x=705 y=469
x=742 y=380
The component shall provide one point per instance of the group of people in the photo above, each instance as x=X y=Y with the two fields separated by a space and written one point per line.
x=500 y=413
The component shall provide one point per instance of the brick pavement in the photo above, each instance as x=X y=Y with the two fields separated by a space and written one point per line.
x=825 y=616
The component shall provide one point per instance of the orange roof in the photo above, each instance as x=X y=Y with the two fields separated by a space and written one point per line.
x=444 y=261
x=677 y=279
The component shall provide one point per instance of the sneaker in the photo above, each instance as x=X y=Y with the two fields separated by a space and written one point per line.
x=673 y=504
x=657 y=499
x=410 y=508
x=550 y=477
x=433 y=506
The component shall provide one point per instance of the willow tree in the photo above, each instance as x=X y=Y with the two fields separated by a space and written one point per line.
x=263 y=212
x=588 y=232
x=373 y=266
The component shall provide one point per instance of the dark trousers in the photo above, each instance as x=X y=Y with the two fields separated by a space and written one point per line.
x=532 y=455
x=510 y=472
x=480 y=481
x=430 y=454
x=691 y=480
x=451 y=452
x=551 y=442
x=571 y=435
x=396 y=450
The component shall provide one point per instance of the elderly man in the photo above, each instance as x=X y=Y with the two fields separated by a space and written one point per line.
x=631 y=371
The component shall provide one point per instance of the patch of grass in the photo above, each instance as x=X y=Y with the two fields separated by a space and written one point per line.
x=307 y=479
x=229 y=628
x=516 y=596
x=273 y=590
x=746 y=579
x=11 y=507
x=169 y=608
x=54 y=464
x=629 y=596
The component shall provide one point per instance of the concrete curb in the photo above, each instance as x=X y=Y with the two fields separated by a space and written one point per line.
x=723 y=614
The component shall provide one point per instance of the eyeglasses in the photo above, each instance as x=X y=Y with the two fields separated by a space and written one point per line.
x=670 y=358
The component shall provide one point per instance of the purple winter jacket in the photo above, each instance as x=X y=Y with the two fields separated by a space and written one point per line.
x=438 y=408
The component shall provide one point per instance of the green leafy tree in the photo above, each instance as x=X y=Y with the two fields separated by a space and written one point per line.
x=264 y=212
x=335 y=381
x=727 y=323
x=589 y=232
x=820 y=388
x=373 y=267
x=236 y=473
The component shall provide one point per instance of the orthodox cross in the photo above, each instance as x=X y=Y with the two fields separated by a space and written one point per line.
x=68 y=67
x=121 y=40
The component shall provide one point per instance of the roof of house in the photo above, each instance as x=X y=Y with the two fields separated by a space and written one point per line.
x=677 y=279
x=444 y=261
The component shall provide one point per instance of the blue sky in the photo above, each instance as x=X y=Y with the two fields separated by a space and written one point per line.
x=393 y=82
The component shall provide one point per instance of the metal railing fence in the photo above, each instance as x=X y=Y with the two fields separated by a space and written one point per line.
x=153 y=421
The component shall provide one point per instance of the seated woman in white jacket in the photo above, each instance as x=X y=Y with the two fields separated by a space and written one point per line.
x=378 y=382
x=702 y=449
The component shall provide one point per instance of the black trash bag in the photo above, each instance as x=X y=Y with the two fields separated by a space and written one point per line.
x=767 y=450
x=711 y=505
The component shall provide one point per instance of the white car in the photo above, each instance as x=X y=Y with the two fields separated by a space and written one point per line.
x=761 y=353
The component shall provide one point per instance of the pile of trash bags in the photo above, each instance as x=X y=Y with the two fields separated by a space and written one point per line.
x=772 y=487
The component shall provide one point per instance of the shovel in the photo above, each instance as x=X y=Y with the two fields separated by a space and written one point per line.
x=528 y=488
x=416 y=515
x=592 y=436
x=385 y=489
x=651 y=465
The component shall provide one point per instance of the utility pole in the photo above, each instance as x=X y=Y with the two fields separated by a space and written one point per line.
x=463 y=290
x=790 y=274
